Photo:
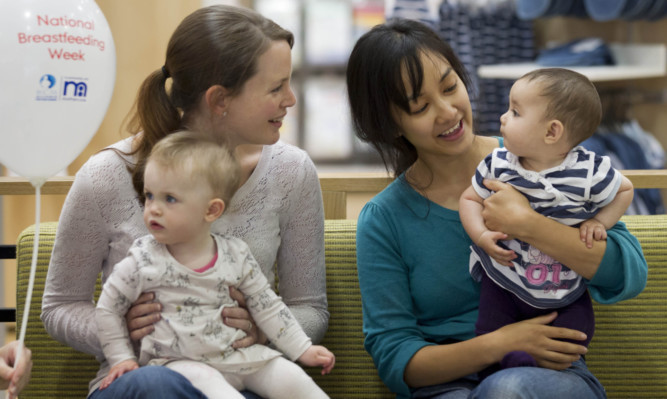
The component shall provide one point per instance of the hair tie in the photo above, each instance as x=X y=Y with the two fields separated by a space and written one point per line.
x=165 y=72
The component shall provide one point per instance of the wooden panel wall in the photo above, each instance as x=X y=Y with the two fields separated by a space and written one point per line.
x=141 y=30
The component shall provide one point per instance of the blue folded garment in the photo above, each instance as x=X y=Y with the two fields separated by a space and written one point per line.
x=581 y=52
x=638 y=9
x=657 y=11
x=605 y=10
x=531 y=9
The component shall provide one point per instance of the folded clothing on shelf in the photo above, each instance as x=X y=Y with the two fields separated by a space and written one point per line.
x=582 y=52
x=531 y=9
x=598 y=10
x=630 y=10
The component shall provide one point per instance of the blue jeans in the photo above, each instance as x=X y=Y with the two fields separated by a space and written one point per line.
x=521 y=383
x=153 y=382
x=149 y=382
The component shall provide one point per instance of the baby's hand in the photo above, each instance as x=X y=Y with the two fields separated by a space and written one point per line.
x=592 y=230
x=318 y=355
x=118 y=370
x=488 y=242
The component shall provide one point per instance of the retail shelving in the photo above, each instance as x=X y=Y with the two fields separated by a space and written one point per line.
x=633 y=61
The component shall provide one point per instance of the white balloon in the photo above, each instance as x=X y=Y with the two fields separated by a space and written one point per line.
x=57 y=73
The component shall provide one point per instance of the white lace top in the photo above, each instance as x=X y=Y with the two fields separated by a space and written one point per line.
x=278 y=212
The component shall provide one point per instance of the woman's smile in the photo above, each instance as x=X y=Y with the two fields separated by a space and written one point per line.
x=453 y=133
x=277 y=122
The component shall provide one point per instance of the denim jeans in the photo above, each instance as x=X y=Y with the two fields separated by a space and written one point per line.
x=147 y=383
x=521 y=383
x=150 y=382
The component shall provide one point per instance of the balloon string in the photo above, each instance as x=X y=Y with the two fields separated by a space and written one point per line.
x=31 y=281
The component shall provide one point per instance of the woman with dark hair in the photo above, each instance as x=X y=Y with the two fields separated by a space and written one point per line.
x=226 y=74
x=408 y=96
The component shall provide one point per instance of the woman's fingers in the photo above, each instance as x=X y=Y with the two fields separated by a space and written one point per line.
x=239 y=317
x=506 y=209
x=555 y=351
x=560 y=357
x=237 y=296
x=549 y=345
x=142 y=315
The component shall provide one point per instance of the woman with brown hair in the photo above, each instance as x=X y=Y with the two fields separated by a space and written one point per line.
x=226 y=74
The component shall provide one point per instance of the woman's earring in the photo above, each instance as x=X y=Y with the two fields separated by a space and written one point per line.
x=224 y=114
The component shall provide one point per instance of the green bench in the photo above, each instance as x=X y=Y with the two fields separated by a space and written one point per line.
x=628 y=353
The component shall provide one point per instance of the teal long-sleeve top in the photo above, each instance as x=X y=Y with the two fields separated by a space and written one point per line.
x=416 y=290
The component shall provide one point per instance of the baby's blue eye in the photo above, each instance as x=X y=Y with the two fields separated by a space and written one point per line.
x=171 y=199
x=148 y=195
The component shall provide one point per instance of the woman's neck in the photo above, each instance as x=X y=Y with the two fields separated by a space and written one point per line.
x=437 y=184
x=248 y=156
x=442 y=179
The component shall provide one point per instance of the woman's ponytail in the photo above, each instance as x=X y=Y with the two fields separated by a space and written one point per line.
x=155 y=117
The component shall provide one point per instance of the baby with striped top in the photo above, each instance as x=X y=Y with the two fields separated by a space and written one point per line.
x=188 y=181
x=551 y=111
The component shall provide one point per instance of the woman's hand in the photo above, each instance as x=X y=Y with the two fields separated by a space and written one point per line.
x=239 y=317
x=544 y=342
x=142 y=315
x=506 y=210
x=14 y=377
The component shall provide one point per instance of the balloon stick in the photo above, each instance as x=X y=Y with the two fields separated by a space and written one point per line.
x=37 y=183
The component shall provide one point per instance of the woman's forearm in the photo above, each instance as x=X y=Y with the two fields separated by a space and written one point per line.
x=546 y=344
x=73 y=324
x=508 y=211
x=562 y=243
x=313 y=320
x=437 y=364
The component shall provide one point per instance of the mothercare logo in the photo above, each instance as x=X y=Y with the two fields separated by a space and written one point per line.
x=75 y=89
x=50 y=88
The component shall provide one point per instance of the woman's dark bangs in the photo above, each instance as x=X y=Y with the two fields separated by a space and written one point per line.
x=409 y=65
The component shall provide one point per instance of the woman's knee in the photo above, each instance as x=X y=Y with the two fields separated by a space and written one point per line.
x=158 y=376
x=501 y=386
x=536 y=382
x=150 y=382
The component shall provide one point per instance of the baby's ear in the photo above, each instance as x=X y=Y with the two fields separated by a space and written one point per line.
x=216 y=207
x=555 y=131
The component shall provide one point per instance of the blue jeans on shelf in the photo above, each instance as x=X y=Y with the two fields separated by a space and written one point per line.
x=521 y=383
x=153 y=382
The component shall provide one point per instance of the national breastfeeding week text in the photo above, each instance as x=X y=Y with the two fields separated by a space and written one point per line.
x=61 y=37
